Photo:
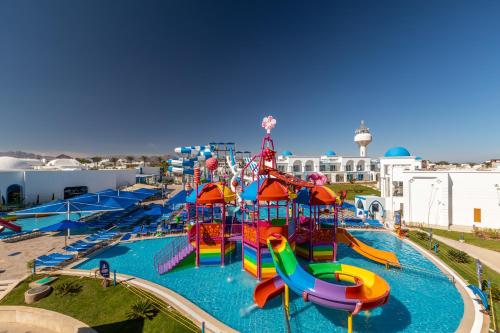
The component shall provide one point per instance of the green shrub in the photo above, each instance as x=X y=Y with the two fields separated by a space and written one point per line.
x=68 y=288
x=423 y=236
x=495 y=292
x=142 y=310
x=459 y=256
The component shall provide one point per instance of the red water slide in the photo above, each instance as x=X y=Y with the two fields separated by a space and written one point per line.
x=10 y=225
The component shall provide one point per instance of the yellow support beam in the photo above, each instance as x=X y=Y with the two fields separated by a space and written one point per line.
x=287 y=302
x=349 y=323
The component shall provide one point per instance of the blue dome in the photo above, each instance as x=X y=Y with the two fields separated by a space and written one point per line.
x=397 y=152
x=418 y=158
x=331 y=153
x=287 y=153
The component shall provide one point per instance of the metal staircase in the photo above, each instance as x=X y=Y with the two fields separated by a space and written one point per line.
x=173 y=253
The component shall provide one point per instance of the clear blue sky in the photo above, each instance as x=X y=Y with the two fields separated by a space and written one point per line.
x=105 y=77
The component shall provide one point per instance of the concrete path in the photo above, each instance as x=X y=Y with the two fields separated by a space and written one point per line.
x=14 y=256
x=22 y=328
x=488 y=257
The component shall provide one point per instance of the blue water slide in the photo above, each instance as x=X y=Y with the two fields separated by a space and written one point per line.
x=484 y=299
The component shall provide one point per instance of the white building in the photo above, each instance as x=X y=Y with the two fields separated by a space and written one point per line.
x=458 y=199
x=395 y=161
x=336 y=168
x=20 y=182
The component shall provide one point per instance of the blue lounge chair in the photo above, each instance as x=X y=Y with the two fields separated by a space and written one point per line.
x=60 y=256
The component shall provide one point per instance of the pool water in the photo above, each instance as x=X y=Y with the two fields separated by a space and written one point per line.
x=422 y=298
x=33 y=223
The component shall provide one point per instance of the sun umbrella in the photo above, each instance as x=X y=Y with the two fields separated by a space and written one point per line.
x=63 y=226
x=67 y=207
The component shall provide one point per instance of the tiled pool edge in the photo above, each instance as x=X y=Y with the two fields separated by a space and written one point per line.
x=180 y=303
x=468 y=297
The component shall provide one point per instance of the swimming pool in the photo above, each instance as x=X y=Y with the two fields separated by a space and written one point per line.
x=420 y=301
x=32 y=223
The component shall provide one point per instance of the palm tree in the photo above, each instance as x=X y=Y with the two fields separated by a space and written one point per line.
x=113 y=160
x=144 y=159
x=96 y=160
x=157 y=160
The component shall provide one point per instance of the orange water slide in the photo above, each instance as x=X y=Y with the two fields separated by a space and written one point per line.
x=267 y=290
x=381 y=256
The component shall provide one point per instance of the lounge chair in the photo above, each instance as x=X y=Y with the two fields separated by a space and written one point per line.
x=59 y=256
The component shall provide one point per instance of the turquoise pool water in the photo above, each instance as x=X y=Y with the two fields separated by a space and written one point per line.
x=420 y=301
x=32 y=223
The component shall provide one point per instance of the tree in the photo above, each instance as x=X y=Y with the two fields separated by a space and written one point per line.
x=144 y=159
x=129 y=159
x=83 y=160
x=156 y=161
x=113 y=160
x=96 y=160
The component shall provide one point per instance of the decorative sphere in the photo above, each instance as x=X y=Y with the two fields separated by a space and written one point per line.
x=268 y=154
x=212 y=164
x=235 y=183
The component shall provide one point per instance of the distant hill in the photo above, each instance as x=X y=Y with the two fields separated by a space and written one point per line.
x=22 y=154
x=63 y=156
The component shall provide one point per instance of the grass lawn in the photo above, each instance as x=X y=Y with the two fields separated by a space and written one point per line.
x=466 y=270
x=469 y=238
x=104 y=309
x=354 y=189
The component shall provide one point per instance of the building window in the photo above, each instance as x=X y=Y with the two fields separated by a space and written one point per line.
x=397 y=189
x=322 y=167
x=360 y=176
x=348 y=167
x=73 y=191
x=333 y=168
x=281 y=168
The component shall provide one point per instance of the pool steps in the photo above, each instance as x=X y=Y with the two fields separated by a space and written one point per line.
x=172 y=254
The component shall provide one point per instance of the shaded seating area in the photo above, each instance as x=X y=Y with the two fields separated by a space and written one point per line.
x=376 y=224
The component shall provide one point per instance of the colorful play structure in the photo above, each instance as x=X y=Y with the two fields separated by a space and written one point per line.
x=275 y=218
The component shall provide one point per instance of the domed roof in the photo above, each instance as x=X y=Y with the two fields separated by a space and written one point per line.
x=397 y=152
x=287 y=153
x=212 y=193
x=418 y=158
x=13 y=163
x=64 y=163
x=331 y=153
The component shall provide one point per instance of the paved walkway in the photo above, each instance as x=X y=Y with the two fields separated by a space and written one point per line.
x=14 y=256
x=488 y=257
x=22 y=328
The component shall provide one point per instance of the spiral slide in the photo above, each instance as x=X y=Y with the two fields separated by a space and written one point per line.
x=10 y=225
x=380 y=256
x=367 y=291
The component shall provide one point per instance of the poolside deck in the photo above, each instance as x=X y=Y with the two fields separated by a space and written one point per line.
x=14 y=256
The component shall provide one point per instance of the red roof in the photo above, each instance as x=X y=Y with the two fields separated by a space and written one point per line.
x=272 y=189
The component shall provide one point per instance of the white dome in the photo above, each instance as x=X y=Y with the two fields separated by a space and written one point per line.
x=13 y=163
x=64 y=163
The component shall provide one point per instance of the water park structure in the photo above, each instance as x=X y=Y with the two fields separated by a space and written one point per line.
x=275 y=218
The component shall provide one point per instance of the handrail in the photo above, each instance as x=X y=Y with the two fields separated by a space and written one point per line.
x=171 y=254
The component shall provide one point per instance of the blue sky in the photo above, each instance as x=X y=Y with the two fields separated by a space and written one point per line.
x=116 y=77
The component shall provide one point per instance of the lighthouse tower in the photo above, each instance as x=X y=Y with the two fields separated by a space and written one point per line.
x=362 y=137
